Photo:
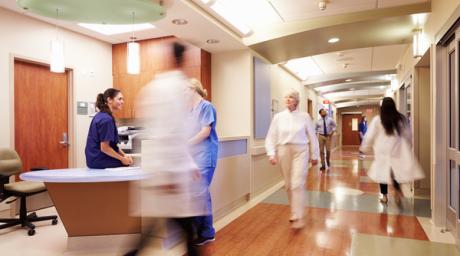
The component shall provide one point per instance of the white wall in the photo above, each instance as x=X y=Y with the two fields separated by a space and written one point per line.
x=29 y=38
x=231 y=80
x=281 y=82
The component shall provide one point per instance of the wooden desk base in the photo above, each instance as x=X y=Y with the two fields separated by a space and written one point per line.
x=93 y=209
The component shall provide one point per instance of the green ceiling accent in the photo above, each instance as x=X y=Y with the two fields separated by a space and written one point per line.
x=97 y=11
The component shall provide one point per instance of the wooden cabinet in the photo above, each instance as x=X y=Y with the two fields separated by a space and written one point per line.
x=155 y=58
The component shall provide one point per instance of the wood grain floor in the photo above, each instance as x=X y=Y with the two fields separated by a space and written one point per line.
x=265 y=230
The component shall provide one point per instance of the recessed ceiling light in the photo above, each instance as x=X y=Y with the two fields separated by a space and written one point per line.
x=179 y=21
x=348 y=80
x=333 y=40
x=352 y=89
x=212 y=41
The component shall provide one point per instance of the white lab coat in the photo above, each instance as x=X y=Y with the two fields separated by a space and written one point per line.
x=174 y=188
x=391 y=152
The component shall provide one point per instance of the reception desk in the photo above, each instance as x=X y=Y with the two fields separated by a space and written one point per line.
x=91 y=202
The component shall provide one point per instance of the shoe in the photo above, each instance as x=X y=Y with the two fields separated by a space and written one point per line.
x=203 y=240
x=329 y=164
x=298 y=224
x=322 y=168
x=293 y=218
x=384 y=199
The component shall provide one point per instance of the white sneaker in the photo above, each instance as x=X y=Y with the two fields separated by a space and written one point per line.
x=298 y=224
x=293 y=218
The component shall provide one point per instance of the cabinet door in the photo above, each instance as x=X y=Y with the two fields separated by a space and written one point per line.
x=128 y=85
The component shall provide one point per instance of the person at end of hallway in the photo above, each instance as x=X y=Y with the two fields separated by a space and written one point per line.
x=389 y=135
x=203 y=146
x=325 y=128
x=291 y=140
x=101 y=149
x=362 y=128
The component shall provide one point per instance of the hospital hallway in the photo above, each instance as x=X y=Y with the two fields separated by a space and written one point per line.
x=343 y=217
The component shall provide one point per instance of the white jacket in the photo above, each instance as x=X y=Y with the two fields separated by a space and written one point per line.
x=391 y=152
x=294 y=127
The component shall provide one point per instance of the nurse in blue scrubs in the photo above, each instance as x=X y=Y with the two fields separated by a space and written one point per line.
x=204 y=146
x=101 y=145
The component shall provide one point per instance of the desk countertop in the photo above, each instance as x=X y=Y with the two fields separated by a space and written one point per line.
x=81 y=175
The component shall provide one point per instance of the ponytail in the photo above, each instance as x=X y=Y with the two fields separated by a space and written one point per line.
x=102 y=99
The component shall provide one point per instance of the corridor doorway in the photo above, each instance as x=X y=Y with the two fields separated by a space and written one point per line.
x=350 y=133
x=41 y=111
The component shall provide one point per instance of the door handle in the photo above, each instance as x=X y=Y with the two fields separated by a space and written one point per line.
x=65 y=140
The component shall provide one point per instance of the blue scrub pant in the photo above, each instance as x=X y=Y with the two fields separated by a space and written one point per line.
x=203 y=224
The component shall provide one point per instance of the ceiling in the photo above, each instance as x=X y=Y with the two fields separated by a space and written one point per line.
x=373 y=35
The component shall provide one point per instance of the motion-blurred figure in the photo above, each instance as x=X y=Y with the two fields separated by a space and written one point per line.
x=389 y=135
x=174 y=188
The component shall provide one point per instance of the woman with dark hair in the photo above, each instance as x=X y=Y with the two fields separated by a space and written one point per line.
x=389 y=135
x=101 y=145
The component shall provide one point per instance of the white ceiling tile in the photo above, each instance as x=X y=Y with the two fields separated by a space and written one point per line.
x=358 y=60
x=386 y=57
x=292 y=10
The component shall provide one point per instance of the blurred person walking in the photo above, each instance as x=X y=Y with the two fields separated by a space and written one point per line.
x=389 y=135
x=291 y=140
x=174 y=189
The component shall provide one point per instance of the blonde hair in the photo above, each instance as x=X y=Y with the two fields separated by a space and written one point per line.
x=196 y=85
x=293 y=93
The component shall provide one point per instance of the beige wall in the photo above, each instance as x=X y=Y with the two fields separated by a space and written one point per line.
x=28 y=38
x=441 y=10
x=231 y=81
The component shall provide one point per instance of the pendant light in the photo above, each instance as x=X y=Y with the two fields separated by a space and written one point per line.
x=57 y=51
x=133 y=58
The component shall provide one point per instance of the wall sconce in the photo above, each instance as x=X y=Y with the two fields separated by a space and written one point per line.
x=417 y=43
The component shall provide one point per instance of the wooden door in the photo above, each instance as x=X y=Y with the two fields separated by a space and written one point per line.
x=310 y=107
x=350 y=133
x=40 y=116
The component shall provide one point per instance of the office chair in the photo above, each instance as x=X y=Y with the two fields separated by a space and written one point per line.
x=10 y=164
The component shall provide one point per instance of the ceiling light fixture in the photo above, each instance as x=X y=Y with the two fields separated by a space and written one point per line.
x=345 y=65
x=348 y=80
x=333 y=40
x=322 y=5
x=57 y=51
x=303 y=67
x=231 y=17
x=179 y=21
x=133 y=58
x=212 y=41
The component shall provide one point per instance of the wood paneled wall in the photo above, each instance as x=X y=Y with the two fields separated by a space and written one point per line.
x=156 y=58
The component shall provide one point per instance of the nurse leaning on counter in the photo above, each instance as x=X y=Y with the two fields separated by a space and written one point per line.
x=101 y=145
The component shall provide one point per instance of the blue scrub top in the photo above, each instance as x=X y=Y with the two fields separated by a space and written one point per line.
x=204 y=153
x=363 y=127
x=102 y=128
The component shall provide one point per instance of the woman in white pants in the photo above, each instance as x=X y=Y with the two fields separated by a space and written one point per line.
x=288 y=139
